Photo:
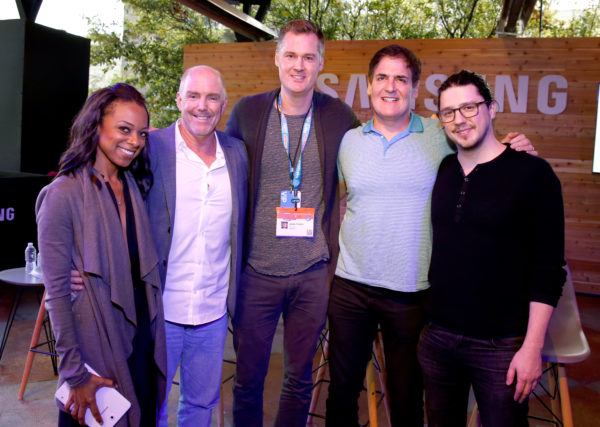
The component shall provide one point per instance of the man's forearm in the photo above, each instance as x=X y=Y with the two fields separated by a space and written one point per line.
x=526 y=364
x=539 y=317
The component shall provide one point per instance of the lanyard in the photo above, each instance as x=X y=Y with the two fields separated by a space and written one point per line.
x=295 y=171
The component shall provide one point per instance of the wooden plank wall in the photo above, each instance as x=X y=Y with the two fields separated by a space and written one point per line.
x=565 y=138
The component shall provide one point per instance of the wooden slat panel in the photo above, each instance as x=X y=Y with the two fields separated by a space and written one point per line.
x=566 y=140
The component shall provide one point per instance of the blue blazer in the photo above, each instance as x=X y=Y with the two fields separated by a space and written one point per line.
x=161 y=199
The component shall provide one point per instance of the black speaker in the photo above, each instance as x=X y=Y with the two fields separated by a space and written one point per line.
x=43 y=83
x=18 y=192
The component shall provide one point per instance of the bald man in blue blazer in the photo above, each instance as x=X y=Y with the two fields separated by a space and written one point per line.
x=196 y=208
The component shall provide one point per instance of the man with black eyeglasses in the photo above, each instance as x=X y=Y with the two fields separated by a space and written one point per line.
x=387 y=168
x=496 y=266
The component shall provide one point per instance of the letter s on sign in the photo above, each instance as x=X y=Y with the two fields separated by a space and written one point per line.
x=323 y=87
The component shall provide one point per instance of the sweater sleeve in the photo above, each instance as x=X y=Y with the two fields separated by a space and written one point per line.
x=56 y=241
x=548 y=274
x=355 y=121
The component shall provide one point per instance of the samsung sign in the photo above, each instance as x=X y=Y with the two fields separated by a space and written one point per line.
x=551 y=92
x=7 y=214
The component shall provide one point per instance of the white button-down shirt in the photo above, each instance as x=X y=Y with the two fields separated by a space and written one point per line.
x=199 y=259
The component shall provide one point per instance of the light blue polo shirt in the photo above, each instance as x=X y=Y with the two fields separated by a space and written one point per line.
x=385 y=237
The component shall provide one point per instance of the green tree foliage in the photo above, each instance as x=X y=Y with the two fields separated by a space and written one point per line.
x=467 y=19
x=327 y=14
x=392 y=19
x=583 y=24
x=151 y=50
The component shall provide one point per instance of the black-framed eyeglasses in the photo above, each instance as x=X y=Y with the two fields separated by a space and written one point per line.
x=467 y=111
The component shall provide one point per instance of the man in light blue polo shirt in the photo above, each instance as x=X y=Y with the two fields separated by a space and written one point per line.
x=388 y=168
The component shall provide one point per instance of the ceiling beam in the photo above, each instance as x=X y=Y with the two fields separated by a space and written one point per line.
x=514 y=17
x=224 y=13
x=28 y=9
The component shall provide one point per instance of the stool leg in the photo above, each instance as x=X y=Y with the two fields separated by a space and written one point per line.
x=319 y=380
x=11 y=318
x=221 y=409
x=382 y=375
x=50 y=342
x=49 y=335
x=565 y=399
x=553 y=385
x=372 y=395
x=34 y=340
x=474 y=419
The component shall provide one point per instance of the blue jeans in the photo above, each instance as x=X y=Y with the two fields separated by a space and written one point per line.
x=451 y=363
x=302 y=300
x=199 y=351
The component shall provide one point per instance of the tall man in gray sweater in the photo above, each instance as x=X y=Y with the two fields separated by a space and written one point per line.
x=292 y=135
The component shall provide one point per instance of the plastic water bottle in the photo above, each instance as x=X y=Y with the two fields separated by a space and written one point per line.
x=30 y=258
x=38 y=264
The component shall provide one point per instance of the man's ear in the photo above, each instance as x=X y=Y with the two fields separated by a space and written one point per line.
x=493 y=108
x=179 y=101
x=415 y=90
x=224 y=106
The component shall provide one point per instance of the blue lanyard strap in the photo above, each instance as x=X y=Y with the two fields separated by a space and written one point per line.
x=295 y=171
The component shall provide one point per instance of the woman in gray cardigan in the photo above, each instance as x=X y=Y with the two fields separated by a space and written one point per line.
x=92 y=219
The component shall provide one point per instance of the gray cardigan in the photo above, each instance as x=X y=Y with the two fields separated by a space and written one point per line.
x=332 y=118
x=79 y=228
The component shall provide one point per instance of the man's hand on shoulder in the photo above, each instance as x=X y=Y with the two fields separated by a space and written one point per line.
x=519 y=142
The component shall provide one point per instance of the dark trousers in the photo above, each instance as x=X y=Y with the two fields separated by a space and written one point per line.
x=451 y=363
x=302 y=300
x=355 y=313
